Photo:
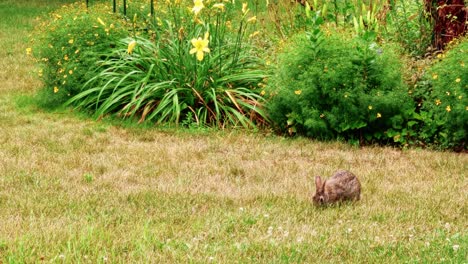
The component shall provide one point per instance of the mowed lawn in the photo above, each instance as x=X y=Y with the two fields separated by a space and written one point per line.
x=76 y=190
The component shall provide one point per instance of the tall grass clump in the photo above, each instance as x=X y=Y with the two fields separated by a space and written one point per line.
x=196 y=68
x=337 y=86
x=69 y=43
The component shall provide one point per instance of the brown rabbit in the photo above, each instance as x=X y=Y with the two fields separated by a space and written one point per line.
x=342 y=186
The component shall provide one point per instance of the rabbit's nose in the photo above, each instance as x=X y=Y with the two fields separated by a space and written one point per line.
x=321 y=199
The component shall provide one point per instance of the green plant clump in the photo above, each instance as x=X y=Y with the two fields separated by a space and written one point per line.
x=197 y=68
x=443 y=92
x=70 y=43
x=409 y=24
x=350 y=89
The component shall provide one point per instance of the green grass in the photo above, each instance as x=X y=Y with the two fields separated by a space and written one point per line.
x=74 y=190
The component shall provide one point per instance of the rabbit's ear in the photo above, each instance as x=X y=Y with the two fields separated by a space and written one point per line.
x=318 y=182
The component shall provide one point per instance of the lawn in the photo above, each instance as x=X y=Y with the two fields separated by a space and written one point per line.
x=76 y=190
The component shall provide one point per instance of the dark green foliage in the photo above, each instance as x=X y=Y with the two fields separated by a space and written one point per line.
x=350 y=89
x=443 y=92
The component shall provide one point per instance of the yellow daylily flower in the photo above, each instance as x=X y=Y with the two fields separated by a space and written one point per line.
x=197 y=6
x=254 y=34
x=219 y=6
x=200 y=46
x=131 y=46
x=244 y=8
x=252 y=19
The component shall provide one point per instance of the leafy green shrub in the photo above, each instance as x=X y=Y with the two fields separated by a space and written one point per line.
x=444 y=97
x=349 y=89
x=194 y=71
x=70 y=43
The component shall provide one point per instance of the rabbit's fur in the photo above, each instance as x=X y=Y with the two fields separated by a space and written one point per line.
x=342 y=186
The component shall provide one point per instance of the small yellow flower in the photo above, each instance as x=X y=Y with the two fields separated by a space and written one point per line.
x=466 y=108
x=71 y=41
x=458 y=80
x=370 y=107
x=219 y=6
x=197 y=6
x=254 y=34
x=462 y=64
x=438 y=102
x=70 y=72
x=345 y=96
x=56 y=89
x=322 y=115
x=244 y=8
x=28 y=51
x=101 y=22
x=448 y=93
x=131 y=46
x=435 y=76
x=379 y=115
x=262 y=93
x=159 y=21
x=252 y=19
x=228 y=24
x=200 y=46
x=77 y=51
x=65 y=57
x=448 y=109
x=298 y=92
x=460 y=97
